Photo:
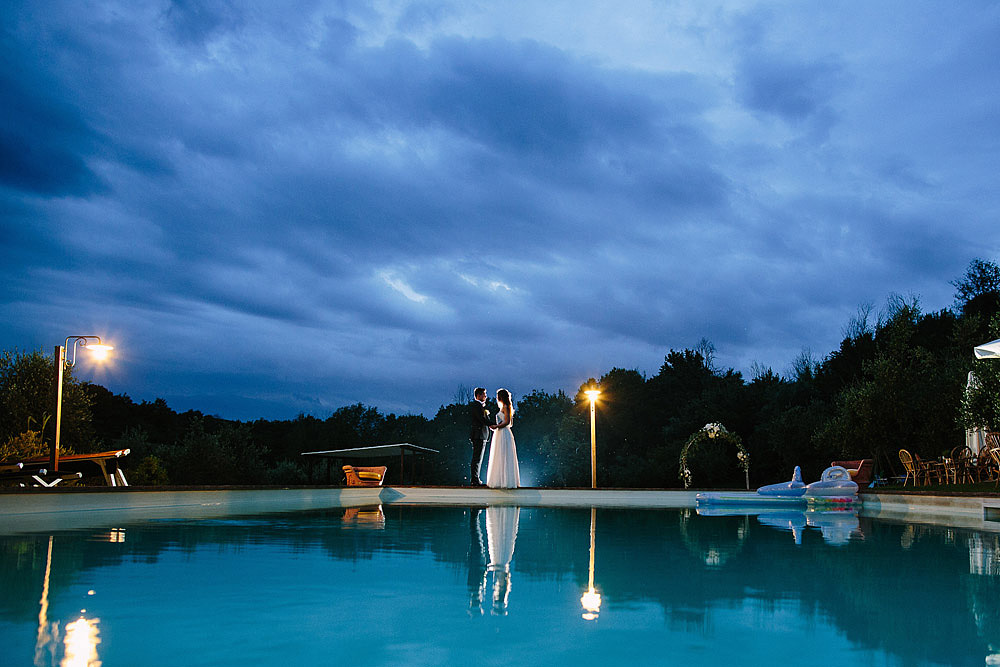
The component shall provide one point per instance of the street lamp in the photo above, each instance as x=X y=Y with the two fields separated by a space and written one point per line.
x=99 y=351
x=592 y=394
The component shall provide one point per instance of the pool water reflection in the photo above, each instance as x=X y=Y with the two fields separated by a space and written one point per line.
x=418 y=585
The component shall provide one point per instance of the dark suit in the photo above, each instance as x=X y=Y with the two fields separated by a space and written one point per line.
x=479 y=433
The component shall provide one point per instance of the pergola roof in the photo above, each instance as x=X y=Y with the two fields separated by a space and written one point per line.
x=373 y=451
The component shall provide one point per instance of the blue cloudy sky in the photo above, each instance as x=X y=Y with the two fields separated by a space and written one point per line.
x=293 y=205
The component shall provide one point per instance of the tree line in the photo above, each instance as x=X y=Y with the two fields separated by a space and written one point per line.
x=898 y=380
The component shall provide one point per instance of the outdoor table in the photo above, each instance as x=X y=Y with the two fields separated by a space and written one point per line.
x=105 y=462
x=400 y=449
x=927 y=469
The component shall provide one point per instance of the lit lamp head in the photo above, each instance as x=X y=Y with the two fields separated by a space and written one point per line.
x=99 y=351
x=592 y=394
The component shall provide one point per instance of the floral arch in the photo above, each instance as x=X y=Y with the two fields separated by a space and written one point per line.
x=714 y=432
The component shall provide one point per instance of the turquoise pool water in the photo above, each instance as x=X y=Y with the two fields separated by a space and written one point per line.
x=419 y=585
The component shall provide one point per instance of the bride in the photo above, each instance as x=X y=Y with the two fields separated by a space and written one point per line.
x=502 y=471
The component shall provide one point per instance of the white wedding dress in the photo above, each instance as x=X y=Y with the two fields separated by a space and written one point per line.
x=502 y=471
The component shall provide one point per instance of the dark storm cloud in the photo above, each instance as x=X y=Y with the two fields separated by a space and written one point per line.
x=44 y=139
x=788 y=88
x=194 y=22
x=399 y=197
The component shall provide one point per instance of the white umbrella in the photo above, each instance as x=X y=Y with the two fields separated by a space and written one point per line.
x=988 y=350
x=975 y=438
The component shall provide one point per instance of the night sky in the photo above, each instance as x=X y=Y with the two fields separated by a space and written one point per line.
x=285 y=207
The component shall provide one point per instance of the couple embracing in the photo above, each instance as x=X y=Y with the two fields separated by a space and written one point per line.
x=501 y=470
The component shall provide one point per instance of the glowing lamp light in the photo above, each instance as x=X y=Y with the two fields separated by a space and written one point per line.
x=82 y=638
x=98 y=351
x=591 y=602
x=592 y=394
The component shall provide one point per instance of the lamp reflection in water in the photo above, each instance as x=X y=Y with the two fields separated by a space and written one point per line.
x=81 y=636
x=591 y=599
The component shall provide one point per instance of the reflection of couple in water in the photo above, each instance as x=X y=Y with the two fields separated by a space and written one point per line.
x=501 y=532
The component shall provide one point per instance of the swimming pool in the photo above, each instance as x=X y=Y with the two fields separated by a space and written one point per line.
x=436 y=585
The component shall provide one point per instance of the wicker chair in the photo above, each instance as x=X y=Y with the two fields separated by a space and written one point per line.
x=908 y=465
x=985 y=469
x=920 y=471
x=963 y=470
x=994 y=454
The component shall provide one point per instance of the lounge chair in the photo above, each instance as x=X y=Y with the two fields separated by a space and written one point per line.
x=364 y=475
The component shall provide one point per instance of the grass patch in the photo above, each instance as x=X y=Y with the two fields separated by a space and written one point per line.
x=977 y=488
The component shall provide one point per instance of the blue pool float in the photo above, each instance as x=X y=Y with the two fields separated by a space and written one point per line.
x=834 y=487
x=796 y=487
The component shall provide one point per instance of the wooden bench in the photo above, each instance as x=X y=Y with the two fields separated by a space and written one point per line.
x=104 y=464
x=23 y=476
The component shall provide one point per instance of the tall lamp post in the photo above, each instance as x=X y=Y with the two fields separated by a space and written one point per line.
x=99 y=351
x=592 y=394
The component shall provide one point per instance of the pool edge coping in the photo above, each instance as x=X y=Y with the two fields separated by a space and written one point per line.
x=38 y=512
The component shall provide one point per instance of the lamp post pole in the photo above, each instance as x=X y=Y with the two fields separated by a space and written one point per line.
x=593 y=446
x=97 y=348
x=592 y=394
x=60 y=364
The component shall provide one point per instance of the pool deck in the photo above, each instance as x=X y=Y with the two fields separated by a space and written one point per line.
x=43 y=511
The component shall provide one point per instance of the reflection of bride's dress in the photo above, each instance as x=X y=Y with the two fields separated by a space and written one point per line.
x=501 y=532
x=502 y=471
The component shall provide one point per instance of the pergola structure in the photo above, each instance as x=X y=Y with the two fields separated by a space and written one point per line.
x=341 y=456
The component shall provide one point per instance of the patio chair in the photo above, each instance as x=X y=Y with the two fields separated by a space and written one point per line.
x=963 y=470
x=920 y=471
x=364 y=475
x=995 y=455
x=985 y=470
x=908 y=465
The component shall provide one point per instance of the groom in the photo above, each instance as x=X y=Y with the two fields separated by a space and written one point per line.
x=479 y=432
